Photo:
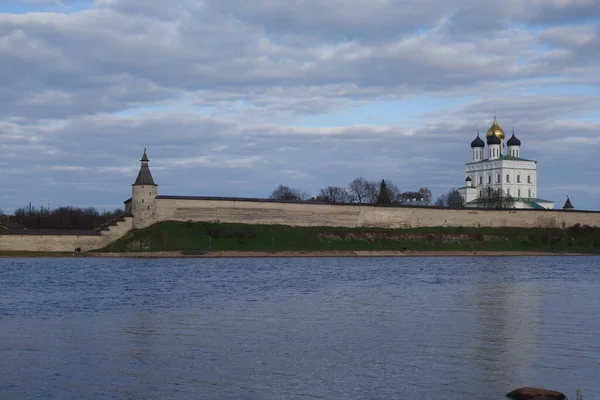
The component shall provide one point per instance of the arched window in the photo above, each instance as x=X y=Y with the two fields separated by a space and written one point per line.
x=489 y=178
x=481 y=180
x=518 y=192
x=528 y=178
x=529 y=193
x=508 y=191
x=498 y=178
x=518 y=178
x=507 y=178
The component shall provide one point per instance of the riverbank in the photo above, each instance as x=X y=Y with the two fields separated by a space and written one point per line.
x=265 y=240
x=203 y=239
x=274 y=254
x=330 y=253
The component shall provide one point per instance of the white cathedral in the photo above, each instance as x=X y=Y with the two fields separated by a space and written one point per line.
x=503 y=169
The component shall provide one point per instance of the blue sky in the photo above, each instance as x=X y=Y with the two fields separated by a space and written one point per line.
x=233 y=98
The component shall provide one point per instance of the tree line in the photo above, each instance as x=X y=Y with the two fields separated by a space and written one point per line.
x=67 y=217
x=359 y=190
x=363 y=191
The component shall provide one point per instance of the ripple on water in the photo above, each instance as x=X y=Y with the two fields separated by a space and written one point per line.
x=430 y=327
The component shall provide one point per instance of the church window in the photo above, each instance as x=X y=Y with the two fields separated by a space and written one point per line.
x=507 y=178
x=528 y=178
x=481 y=180
x=518 y=178
x=489 y=179
x=142 y=200
x=529 y=193
x=498 y=178
x=150 y=194
x=148 y=207
x=518 y=192
x=508 y=191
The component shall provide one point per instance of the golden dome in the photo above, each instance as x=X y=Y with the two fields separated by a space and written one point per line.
x=495 y=128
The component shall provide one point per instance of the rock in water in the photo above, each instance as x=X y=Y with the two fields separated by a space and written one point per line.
x=531 y=393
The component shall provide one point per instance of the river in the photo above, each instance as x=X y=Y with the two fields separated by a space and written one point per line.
x=298 y=328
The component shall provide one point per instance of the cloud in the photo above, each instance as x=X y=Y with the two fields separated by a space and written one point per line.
x=233 y=97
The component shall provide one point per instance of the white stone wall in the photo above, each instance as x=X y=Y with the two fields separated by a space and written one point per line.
x=65 y=242
x=303 y=214
x=49 y=242
x=299 y=214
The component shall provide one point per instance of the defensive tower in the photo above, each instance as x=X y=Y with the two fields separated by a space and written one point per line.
x=143 y=195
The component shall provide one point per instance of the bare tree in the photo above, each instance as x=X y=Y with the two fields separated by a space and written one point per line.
x=335 y=194
x=452 y=199
x=496 y=198
x=372 y=192
x=393 y=190
x=425 y=194
x=363 y=190
x=286 y=193
x=455 y=199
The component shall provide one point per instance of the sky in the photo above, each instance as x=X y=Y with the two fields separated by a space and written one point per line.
x=234 y=97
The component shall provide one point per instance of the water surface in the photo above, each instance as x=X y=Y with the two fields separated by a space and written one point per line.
x=298 y=328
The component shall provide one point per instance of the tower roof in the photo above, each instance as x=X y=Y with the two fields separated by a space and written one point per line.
x=513 y=141
x=144 y=176
x=495 y=129
x=493 y=139
x=468 y=179
x=477 y=142
x=568 y=205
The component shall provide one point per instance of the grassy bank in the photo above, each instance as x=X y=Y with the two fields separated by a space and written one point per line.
x=203 y=236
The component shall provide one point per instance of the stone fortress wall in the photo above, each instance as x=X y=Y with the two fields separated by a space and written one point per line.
x=32 y=240
x=255 y=211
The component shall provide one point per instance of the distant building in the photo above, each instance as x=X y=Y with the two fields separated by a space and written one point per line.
x=502 y=169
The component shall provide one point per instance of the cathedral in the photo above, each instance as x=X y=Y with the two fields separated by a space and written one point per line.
x=501 y=170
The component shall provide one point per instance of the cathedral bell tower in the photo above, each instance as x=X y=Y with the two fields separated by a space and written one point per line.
x=143 y=196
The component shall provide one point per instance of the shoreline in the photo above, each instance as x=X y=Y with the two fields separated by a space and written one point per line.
x=328 y=253
x=297 y=253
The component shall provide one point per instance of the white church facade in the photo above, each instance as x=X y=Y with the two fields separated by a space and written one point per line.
x=501 y=168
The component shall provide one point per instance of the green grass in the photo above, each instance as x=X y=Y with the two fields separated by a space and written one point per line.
x=204 y=236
